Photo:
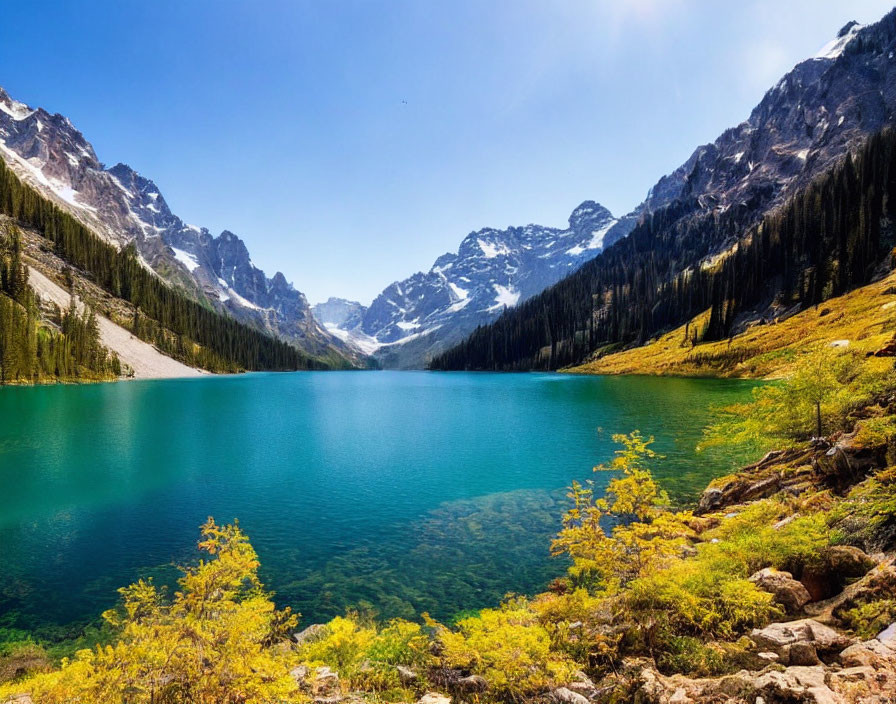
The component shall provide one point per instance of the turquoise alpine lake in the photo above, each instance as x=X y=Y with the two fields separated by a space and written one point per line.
x=396 y=492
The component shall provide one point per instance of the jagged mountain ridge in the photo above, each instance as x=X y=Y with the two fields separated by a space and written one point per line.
x=125 y=208
x=824 y=107
x=493 y=269
x=822 y=110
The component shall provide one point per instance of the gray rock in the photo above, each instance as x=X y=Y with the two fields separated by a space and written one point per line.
x=797 y=684
x=310 y=634
x=779 y=637
x=888 y=634
x=869 y=653
x=562 y=695
x=434 y=698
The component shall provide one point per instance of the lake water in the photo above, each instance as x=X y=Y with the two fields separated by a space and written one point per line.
x=401 y=491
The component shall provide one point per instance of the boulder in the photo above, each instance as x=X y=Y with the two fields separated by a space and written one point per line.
x=788 y=592
x=879 y=583
x=870 y=653
x=865 y=684
x=780 y=638
x=325 y=685
x=562 y=695
x=434 y=698
x=839 y=565
x=472 y=684
x=710 y=500
x=314 y=632
x=796 y=684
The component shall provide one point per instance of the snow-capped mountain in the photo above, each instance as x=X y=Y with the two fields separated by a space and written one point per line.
x=491 y=270
x=124 y=207
x=339 y=312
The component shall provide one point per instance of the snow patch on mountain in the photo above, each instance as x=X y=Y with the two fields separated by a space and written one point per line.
x=836 y=46
x=187 y=259
x=506 y=298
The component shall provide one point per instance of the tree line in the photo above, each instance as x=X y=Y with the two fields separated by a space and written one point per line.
x=187 y=330
x=827 y=239
x=66 y=347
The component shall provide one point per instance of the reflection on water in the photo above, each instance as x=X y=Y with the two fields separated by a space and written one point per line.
x=407 y=492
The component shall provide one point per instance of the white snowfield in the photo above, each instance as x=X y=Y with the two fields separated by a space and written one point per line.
x=146 y=361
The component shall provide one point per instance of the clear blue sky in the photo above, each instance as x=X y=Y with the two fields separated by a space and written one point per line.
x=351 y=142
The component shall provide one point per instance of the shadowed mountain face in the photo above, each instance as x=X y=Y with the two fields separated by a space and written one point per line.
x=822 y=108
x=126 y=208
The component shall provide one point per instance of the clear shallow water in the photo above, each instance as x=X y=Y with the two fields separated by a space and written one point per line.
x=405 y=491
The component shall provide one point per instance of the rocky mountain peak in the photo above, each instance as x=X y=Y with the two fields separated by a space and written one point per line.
x=589 y=216
x=847 y=28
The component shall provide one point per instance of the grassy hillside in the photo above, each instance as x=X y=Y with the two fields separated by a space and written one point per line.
x=863 y=319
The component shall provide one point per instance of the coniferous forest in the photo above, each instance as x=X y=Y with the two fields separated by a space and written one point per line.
x=826 y=240
x=179 y=326
x=65 y=348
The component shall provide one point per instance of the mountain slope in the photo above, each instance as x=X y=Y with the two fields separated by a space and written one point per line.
x=693 y=219
x=128 y=290
x=123 y=207
x=413 y=319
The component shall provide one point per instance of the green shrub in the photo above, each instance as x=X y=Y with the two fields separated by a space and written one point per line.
x=867 y=620
x=510 y=648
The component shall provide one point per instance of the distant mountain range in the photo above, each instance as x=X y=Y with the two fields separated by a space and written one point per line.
x=413 y=319
x=803 y=125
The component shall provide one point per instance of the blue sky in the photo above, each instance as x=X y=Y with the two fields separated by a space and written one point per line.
x=351 y=142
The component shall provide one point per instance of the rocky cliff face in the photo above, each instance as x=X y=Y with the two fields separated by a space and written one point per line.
x=124 y=207
x=819 y=111
x=491 y=270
